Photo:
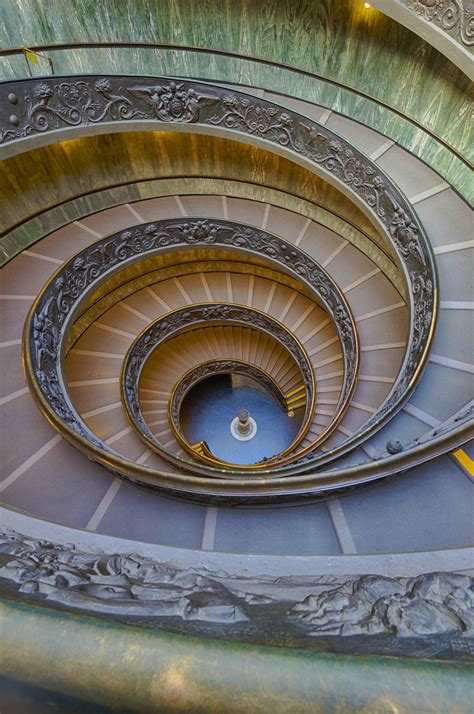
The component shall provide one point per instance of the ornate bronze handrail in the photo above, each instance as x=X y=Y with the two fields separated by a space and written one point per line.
x=207 y=369
x=53 y=312
x=85 y=576
x=258 y=60
x=57 y=104
x=153 y=669
x=191 y=317
x=197 y=374
x=130 y=244
x=170 y=103
x=298 y=487
x=222 y=366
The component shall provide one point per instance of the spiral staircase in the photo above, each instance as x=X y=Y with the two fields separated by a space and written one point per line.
x=162 y=234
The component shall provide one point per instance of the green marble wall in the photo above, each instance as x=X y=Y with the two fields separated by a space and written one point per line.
x=336 y=38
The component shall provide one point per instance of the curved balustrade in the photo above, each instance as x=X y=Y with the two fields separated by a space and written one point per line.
x=61 y=106
x=325 y=91
x=188 y=318
x=52 y=315
x=214 y=367
x=62 y=301
x=54 y=311
x=186 y=103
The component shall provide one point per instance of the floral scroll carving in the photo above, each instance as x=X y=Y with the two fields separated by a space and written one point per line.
x=75 y=102
x=455 y=17
x=267 y=122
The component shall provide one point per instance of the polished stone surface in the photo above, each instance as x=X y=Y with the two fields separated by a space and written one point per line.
x=21 y=697
x=124 y=667
x=339 y=40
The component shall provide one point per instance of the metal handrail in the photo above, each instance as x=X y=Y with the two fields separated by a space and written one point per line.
x=184 y=319
x=5 y=52
x=197 y=374
x=210 y=106
x=63 y=290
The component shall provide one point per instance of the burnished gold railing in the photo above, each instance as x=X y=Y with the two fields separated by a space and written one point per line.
x=296 y=399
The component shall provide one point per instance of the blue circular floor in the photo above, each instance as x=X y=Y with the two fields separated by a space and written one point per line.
x=209 y=408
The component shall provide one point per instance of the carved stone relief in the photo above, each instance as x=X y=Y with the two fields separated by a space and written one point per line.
x=51 y=103
x=430 y=615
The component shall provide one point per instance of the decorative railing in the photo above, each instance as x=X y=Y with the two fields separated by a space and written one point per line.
x=34 y=108
x=372 y=102
x=192 y=317
x=52 y=315
x=296 y=488
x=454 y=17
x=80 y=103
x=132 y=585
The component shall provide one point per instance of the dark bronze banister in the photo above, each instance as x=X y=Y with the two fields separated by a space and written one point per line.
x=228 y=366
x=190 y=317
x=60 y=301
x=221 y=365
x=254 y=117
x=258 y=60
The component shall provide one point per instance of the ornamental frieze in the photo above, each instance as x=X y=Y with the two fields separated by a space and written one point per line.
x=425 y=616
x=455 y=17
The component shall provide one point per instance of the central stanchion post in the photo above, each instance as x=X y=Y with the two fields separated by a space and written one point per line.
x=243 y=427
x=243 y=424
